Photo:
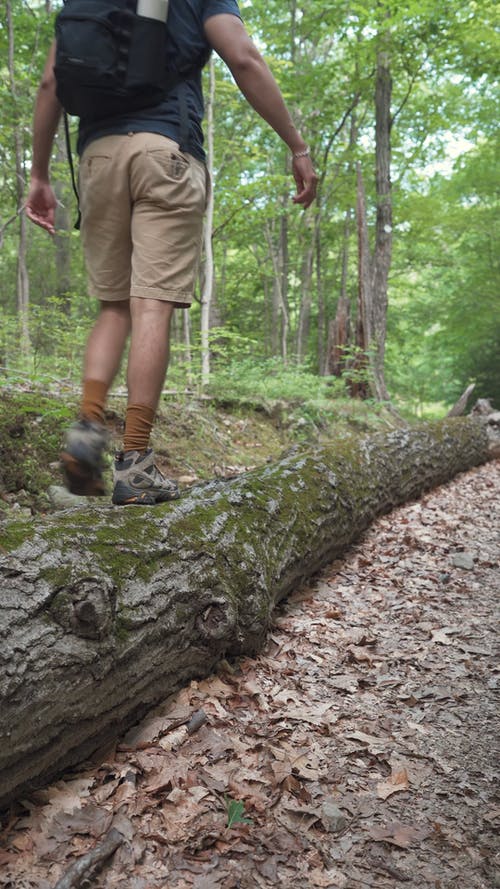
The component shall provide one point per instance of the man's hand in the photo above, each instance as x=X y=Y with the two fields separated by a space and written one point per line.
x=305 y=179
x=41 y=204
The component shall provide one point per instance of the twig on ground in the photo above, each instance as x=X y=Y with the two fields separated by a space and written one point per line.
x=83 y=871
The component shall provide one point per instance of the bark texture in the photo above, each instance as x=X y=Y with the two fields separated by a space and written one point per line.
x=106 y=611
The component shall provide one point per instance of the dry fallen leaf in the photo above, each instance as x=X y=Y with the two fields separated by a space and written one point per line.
x=281 y=770
x=307 y=766
x=91 y=819
x=65 y=796
x=373 y=744
x=401 y=835
x=332 y=878
x=174 y=739
x=396 y=782
x=441 y=636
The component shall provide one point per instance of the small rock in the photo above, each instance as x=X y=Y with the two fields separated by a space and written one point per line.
x=22 y=512
x=334 y=821
x=60 y=498
x=187 y=479
x=463 y=560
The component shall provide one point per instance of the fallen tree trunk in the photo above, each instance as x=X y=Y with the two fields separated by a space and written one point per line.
x=106 y=611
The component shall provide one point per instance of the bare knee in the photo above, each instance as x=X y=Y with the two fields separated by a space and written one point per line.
x=151 y=311
x=118 y=308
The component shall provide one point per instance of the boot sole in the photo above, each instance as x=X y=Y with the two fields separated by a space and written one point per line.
x=81 y=479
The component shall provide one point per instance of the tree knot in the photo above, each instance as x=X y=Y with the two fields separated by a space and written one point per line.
x=86 y=608
x=217 y=621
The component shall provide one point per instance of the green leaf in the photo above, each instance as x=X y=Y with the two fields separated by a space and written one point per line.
x=235 y=812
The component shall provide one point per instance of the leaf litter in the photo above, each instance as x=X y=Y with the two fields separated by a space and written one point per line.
x=358 y=750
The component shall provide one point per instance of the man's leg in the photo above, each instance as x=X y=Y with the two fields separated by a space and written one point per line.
x=149 y=349
x=147 y=367
x=168 y=191
x=103 y=355
x=86 y=439
x=106 y=212
x=137 y=479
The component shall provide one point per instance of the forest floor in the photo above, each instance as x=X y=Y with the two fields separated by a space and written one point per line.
x=357 y=750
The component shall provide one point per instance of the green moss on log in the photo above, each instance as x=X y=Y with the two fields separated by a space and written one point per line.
x=31 y=431
x=13 y=534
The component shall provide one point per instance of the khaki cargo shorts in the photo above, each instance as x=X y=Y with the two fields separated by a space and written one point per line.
x=142 y=203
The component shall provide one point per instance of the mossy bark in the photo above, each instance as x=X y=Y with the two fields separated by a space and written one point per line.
x=105 y=611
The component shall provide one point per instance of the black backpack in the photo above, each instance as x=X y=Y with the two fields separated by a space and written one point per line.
x=109 y=58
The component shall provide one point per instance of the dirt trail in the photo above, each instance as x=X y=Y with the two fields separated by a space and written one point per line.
x=357 y=751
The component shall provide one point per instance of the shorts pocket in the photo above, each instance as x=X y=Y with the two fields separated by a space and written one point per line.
x=172 y=163
x=92 y=165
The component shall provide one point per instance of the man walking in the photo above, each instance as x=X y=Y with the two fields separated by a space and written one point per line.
x=143 y=191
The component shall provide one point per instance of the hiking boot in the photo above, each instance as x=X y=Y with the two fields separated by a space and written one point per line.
x=138 y=480
x=81 y=458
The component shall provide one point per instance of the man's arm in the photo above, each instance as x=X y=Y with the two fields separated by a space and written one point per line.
x=227 y=35
x=41 y=201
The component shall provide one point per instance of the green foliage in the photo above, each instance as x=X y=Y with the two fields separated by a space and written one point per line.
x=272 y=380
x=443 y=324
x=236 y=812
x=58 y=334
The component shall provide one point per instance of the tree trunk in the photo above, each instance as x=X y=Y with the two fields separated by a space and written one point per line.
x=318 y=268
x=383 y=232
x=208 y=282
x=358 y=384
x=339 y=332
x=339 y=339
x=304 y=325
x=284 y=262
x=280 y=304
x=275 y=313
x=23 y=282
x=107 y=611
x=373 y=270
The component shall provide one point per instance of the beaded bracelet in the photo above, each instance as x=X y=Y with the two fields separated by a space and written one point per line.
x=304 y=153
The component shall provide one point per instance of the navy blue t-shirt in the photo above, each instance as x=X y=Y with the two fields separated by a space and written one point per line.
x=189 y=49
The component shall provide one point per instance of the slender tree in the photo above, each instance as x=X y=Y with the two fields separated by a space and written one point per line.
x=23 y=281
x=208 y=276
x=377 y=326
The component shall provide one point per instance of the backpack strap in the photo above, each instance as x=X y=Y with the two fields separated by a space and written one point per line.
x=126 y=33
x=184 y=121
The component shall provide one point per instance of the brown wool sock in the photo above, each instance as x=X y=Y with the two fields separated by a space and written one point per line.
x=93 y=400
x=138 y=426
